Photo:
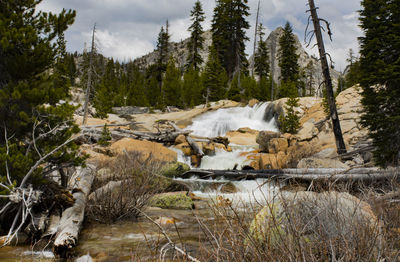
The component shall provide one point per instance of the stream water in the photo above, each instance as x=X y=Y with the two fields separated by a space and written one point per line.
x=122 y=241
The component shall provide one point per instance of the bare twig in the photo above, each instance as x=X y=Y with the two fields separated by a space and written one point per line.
x=170 y=242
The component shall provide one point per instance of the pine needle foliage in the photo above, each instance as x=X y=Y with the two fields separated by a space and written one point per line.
x=380 y=77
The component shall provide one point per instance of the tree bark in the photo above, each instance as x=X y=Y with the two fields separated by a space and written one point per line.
x=72 y=218
x=312 y=174
x=341 y=147
x=85 y=114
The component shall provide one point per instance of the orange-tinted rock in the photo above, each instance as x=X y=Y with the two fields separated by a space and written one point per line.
x=147 y=148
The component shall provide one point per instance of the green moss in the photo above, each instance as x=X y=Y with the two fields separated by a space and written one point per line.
x=267 y=226
x=172 y=201
x=174 y=169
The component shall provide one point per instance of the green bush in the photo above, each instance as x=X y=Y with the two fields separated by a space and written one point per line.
x=290 y=122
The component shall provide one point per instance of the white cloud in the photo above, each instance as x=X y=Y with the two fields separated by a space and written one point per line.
x=129 y=28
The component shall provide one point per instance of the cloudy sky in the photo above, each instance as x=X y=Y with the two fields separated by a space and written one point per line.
x=127 y=29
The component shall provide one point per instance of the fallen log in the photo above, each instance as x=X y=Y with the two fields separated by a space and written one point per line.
x=72 y=218
x=94 y=134
x=197 y=150
x=112 y=125
x=301 y=175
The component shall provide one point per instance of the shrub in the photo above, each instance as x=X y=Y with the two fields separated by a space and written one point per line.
x=290 y=122
x=105 y=137
x=129 y=183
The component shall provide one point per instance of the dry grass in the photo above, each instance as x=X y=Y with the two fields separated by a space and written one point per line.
x=305 y=230
x=123 y=186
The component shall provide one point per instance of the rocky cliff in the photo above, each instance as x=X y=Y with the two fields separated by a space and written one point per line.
x=180 y=53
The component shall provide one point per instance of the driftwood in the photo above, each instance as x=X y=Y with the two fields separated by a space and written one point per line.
x=94 y=134
x=195 y=146
x=108 y=125
x=106 y=189
x=72 y=218
x=301 y=175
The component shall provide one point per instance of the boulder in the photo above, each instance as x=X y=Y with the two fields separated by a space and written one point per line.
x=240 y=137
x=180 y=140
x=326 y=153
x=268 y=161
x=228 y=188
x=307 y=132
x=209 y=149
x=185 y=148
x=311 y=218
x=253 y=102
x=175 y=200
x=174 y=169
x=313 y=162
x=278 y=144
x=147 y=148
x=263 y=139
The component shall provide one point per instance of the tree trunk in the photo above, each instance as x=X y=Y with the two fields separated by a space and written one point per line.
x=341 y=147
x=72 y=218
x=85 y=114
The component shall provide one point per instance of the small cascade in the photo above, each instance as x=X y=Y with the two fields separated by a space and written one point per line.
x=248 y=191
x=223 y=160
x=218 y=123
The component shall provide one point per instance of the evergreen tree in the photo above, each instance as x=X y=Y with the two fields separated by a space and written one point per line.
x=250 y=87
x=192 y=87
x=290 y=123
x=288 y=58
x=31 y=43
x=229 y=26
x=235 y=91
x=105 y=94
x=214 y=78
x=261 y=59
x=172 y=86
x=288 y=62
x=261 y=65
x=162 y=50
x=153 y=92
x=380 y=76
x=196 y=41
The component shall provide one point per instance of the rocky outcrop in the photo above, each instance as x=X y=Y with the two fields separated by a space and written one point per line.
x=316 y=134
x=147 y=148
x=180 y=53
x=313 y=162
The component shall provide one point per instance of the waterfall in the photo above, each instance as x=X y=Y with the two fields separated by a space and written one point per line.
x=218 y=123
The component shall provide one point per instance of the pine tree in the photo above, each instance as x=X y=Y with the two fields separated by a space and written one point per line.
x=31 y=43
x=380 y=77
x=196 y=41
x=261 y=64
x=290 y=123
x=172 y=86
x=192 y=87
x=214 y=78
x=352 y=70
x=162 y=59
x=288 y=58
x=105 y=94
x=250 y=87
x=288 y=62
x=229 y=26
x=261 y=59
x=235 y=91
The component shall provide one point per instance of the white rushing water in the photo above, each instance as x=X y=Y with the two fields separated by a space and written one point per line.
x=248 y=191
x=227 y=160
x=218 y=123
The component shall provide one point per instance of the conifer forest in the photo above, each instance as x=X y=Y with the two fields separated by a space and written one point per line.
x=202 y=130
